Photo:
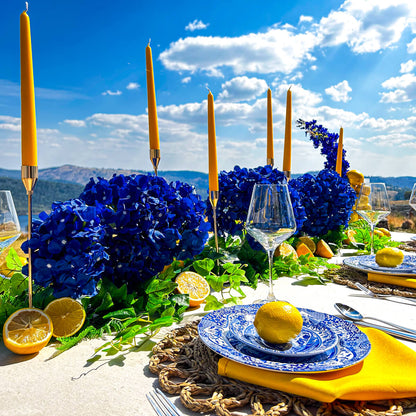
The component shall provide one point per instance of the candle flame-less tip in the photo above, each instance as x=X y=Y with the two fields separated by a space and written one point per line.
x=148 y=43
x=27 y=6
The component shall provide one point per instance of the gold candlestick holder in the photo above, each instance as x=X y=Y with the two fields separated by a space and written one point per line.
x=155 y=158
x=270 y=161
x=29 y=179
x=287 y=174
x=213 y=198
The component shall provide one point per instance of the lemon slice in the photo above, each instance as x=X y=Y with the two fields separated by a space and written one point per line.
x=67 y=316
x=194 y=285
x=27 y=331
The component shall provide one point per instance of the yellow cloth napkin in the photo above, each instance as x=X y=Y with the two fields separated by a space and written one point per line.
x=394 y=279
x=388 y=372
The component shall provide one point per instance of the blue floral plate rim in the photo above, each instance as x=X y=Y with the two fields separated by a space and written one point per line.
x=315 y=337
x=352 y=348
x=366 y=263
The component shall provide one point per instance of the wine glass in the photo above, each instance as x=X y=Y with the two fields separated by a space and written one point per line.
x=373 y=205
x=412 y=200
x=9 y=222
x=270 y=220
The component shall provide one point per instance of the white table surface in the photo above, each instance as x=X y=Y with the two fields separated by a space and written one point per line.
x=67 y=385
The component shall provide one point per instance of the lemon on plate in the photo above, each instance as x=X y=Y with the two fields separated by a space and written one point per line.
x=278 y=322
x=27 y=331
x=389 y=257
x=67 y=316
x=194 y=285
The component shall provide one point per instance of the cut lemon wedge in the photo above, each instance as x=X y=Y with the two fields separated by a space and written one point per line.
x=67 y=316
x=27 y=331
x=194 y=285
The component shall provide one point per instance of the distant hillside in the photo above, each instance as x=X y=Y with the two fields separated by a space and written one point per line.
x=82 y=175
x=67 y=181
x=45 y=193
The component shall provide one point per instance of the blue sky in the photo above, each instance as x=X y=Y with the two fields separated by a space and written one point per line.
x=349 y=64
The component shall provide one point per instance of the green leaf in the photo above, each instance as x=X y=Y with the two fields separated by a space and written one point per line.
x=212 y=303
x=121 y=314
x=203 y=267
x=306 y=281
x=13 y=261
x=106 y=303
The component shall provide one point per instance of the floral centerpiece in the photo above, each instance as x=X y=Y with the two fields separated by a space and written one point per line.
x=236 y=187
x=126 y=229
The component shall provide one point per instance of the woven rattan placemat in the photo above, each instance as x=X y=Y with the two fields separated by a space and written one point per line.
x=186 y=367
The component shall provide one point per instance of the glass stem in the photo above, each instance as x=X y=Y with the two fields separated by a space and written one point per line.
x=372 y=238
x=270 y=296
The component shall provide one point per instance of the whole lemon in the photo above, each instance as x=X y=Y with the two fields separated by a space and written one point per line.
x=389 y=257
x=278 y=322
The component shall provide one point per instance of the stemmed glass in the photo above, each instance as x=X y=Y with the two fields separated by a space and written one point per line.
x=412 y=200
x=9 y=222
x=373 y=205
x=270 y=220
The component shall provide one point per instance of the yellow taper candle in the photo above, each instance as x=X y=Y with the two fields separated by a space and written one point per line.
x=28 y=113
x=270 y=151
x=151 y=102
x=287 y=151
x=338 y=166
x=212 y=146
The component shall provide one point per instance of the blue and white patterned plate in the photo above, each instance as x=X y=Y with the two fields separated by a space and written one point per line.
x=368 y=264
x=353 y=346
x=314 y=338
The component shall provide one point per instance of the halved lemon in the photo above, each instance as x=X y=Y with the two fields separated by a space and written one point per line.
x=27 y=331
x=67 y=316
x=194 y=285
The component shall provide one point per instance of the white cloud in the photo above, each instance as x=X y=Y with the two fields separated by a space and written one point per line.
x=75 y=123
x=367 y=25
x=186 y=80
x=403 y=86
x=408 y=66
x=304 y=18
x=411 y=47
x=196 y=25
x=277 y=50
x=109 y=92
x=242 y=89
x=133 y=86
x=339 y=92
x=10 y=123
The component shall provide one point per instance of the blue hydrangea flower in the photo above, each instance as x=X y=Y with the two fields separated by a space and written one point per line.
x=236 y=187
x=147 y=223
x=328 y=200
x=67 y=250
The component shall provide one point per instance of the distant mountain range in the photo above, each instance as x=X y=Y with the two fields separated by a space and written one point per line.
x=74 y=178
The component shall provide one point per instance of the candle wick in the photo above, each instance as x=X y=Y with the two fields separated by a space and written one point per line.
x=27 y=6
x=149 y=41
x=290 y=87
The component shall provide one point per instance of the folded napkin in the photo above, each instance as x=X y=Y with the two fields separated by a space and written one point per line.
x=393 y=279
x=388 y=372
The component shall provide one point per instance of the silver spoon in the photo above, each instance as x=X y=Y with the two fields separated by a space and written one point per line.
x=354 y=315
x=376 y=295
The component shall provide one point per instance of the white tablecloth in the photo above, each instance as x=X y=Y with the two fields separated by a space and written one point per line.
x=68 y=385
